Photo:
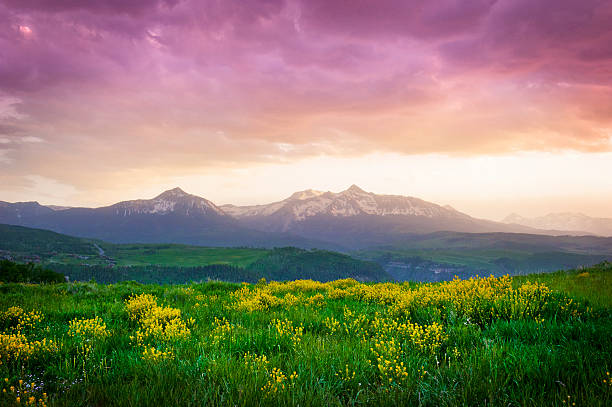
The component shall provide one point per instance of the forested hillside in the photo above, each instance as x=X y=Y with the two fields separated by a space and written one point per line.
x=278 y=264
x=43 y=243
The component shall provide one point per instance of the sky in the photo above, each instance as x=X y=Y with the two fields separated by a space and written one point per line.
x=490 y=106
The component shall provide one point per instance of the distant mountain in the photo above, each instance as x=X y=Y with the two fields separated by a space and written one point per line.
x=171 y=217
x=350 y=203
x=18 y=212
x=356 y=218
x=349 y=219
x=58 y=207
x=174 y=201
x=577 y=222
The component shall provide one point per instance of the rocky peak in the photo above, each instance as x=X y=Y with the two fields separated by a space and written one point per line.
x=307 y=194
x=173 y=193
x=354 y=189
x=174 y=200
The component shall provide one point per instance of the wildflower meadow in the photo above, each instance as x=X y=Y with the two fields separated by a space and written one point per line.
x=528 y=341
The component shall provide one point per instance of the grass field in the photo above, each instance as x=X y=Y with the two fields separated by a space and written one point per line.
x=592 y=285
x=180 y=255
x=476 y=259
x=495 y=341
x=27 y=244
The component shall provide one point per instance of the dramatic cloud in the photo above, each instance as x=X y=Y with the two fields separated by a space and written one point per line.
x=181 y=86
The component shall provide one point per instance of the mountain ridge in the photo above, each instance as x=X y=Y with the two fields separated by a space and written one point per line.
x=352 y=201
x=172 y=200
x=347 y=219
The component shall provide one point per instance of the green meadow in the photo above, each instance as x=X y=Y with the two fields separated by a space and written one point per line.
x=181 y=255
x=55 y=248
x=536 y=340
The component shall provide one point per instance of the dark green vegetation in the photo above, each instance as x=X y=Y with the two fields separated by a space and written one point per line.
x=442 y=255
x=277 y=264
x=290 y=263
x=493 y=342
x=434 y=257
x=83 y=260
x=26 y=244
x=11 y=272
x=25 y=240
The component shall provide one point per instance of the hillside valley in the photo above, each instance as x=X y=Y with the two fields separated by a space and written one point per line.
x=437 y=256
x=406 y=237
x=85 y=259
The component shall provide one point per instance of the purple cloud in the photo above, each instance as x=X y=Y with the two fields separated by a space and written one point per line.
x=187 y=81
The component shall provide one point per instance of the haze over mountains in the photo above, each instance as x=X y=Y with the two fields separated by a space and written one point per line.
x=576 y=222
x=352 y=218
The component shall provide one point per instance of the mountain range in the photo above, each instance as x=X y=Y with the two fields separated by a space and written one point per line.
x=348 y=219
x=577 y=222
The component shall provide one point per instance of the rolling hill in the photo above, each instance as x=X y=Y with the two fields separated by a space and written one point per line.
x=442 y=255
x=83 y=259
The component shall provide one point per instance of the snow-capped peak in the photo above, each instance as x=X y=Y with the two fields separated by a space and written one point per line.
x=353 y=201
x=172 y=193
x=309 y=193
x=172 y=201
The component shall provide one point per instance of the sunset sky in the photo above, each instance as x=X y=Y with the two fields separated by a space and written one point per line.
x=490 y=106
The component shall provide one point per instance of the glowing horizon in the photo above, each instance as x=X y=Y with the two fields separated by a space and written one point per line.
x=489 y=106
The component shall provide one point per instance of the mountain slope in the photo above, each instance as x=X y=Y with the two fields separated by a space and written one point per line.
x=175 y=201
x=356 y=218
x=41 y=242
x=19 y=212
x=565 y=221
x=352 y=202
x=345 y=220
x=171 y=217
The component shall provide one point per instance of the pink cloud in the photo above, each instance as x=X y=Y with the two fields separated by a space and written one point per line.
x=150 y=82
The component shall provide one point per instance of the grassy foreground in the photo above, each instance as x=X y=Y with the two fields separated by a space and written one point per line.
x=491 y=341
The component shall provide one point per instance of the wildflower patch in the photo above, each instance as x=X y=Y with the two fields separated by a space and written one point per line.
x=155 y=324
